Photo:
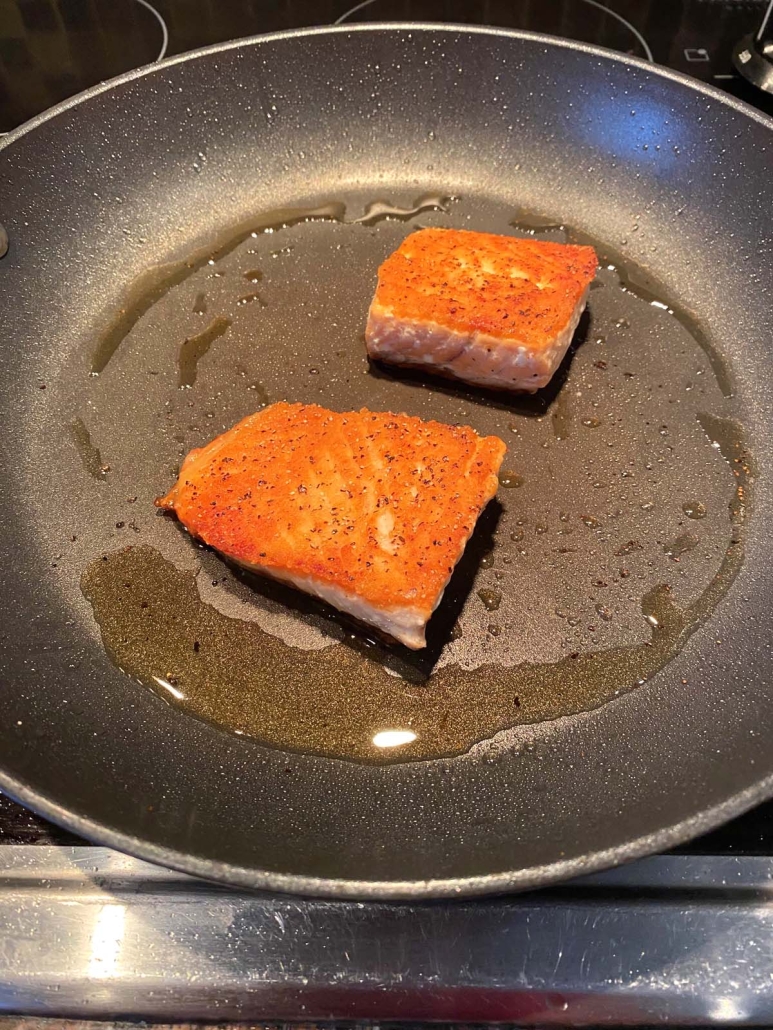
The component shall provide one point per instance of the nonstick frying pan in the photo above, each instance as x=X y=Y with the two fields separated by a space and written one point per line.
x=645 y=497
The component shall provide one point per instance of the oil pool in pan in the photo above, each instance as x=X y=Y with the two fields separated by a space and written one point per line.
x=617 y=529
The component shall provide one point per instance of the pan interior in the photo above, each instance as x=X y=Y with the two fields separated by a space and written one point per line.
x=617 y=528
x=148 y=170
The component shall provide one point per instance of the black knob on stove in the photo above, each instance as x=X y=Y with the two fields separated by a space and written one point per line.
x=753 y=56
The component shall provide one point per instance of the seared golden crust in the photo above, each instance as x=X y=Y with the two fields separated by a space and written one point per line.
x=378 y=505
x=519 y=290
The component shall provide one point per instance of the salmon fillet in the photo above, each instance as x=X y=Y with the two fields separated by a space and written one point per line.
x=496 y=311
x=368 y=511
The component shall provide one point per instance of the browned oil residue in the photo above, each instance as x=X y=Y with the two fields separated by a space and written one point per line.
x=681 y=545
x=380 y=209
x=510 y=480
x=261 y=394
x=491 y=599
x=200 y=304
x=694 y=509
x=531 y=224
x=153 y=284
x=561 y=415
x=250 y=298
x=253 y=275
x=727 y=435
x=155 y=626
x=193 y=349
x=635 y=281
x=333 y=702
x=87 y=452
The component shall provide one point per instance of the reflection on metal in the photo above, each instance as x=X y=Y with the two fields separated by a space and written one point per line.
x=164 y=30
x=106 y=941
x=767 y=19
x=754 y=60
x=685 y=940
x=727 y=1010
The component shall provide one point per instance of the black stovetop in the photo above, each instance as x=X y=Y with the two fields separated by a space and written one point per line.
x=51 y=49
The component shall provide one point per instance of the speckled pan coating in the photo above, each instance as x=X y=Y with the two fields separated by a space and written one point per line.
x=147 y=170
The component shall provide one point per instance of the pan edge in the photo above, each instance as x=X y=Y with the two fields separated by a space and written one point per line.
x=391 y=890
x=375 y=28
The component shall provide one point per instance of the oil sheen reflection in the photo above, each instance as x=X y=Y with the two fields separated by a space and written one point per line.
x=393 y=738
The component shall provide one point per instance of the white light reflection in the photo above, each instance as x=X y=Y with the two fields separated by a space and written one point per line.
x=106 y=941
x=170 y=687
x=727 y=1010
x=394 y=738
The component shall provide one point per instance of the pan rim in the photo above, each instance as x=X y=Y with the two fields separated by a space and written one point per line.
x=449 y=888
x=389 y=890
x=561 y=42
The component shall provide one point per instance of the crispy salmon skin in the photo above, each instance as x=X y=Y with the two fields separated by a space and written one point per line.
x=368 y=511
x=497 y=311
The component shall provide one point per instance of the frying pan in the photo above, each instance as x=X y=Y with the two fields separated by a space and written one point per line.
x=180 y=161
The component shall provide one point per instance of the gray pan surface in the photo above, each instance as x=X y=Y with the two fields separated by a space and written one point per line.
x=194 y=240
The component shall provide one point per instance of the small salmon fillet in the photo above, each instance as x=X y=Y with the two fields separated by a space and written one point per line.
x=370 y=512
x=496 y=311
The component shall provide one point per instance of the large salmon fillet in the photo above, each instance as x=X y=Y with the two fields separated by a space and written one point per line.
x=496 y=311
x=370 y=512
